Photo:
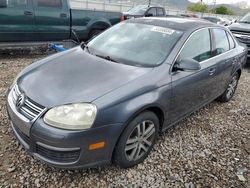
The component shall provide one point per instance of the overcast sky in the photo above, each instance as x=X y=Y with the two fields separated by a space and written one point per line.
x=222 y=1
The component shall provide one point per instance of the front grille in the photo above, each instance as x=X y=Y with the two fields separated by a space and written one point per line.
x=243 y=41
x=58 y=156
x=240 y=32
x=243 y=37
x=29 y=108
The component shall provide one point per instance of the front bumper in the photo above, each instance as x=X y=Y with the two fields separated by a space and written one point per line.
x=63 y=148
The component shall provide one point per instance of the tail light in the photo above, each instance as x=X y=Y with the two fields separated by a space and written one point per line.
x=122 y=18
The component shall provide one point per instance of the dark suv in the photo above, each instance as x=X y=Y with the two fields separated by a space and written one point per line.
x=241 y=30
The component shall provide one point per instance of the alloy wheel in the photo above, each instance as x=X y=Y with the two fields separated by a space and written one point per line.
x=140 y=140
x=232 y=87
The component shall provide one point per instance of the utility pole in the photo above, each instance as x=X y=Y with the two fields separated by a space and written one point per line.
x=201 y=8
x=214 y=4
x=149 y=3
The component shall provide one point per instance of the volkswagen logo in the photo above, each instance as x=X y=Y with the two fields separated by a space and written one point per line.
x=20 y=100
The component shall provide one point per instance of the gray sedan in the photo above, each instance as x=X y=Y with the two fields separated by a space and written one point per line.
x=108 y=100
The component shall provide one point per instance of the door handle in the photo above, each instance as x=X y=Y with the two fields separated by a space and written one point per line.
x=212 y=71
x=63 y=15
x=28 y=13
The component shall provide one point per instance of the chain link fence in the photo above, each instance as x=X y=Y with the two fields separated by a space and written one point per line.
x=122 y=7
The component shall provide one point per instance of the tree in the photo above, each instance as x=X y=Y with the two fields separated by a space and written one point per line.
x=222 y=10
x=198 y=7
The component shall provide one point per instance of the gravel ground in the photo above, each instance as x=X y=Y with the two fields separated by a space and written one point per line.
x=211 y=148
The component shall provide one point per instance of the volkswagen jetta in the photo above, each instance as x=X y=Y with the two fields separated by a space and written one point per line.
x=108 y=100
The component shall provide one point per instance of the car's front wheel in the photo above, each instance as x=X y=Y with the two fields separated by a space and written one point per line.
x=231 y=88
x=137 y=140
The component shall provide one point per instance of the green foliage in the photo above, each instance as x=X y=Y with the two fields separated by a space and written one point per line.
x=222 y=10
x=198 y=7
x=201 y=7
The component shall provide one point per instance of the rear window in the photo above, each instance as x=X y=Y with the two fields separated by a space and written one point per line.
x=50 y=3
x=231 y=41
x=13 y=3
x=160 y=12
x=221 y=41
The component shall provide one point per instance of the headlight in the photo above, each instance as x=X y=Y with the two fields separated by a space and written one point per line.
x=72 y=117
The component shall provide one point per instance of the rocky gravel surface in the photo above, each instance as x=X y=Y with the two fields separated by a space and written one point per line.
x=211 y=148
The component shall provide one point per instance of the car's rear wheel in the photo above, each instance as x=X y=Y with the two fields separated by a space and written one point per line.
x=137 y=140
x=231 y=88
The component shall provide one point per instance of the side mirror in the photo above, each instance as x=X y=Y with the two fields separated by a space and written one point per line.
x=3 y=3
x=148 y=15
x=187 y=65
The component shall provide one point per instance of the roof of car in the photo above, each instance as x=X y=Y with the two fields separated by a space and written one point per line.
x=181 y=24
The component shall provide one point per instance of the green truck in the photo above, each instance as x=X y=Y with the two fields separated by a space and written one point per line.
x=37 y=21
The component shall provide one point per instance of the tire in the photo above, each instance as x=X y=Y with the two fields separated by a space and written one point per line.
x=231 y=88
x=94 y=32
x=130 y=154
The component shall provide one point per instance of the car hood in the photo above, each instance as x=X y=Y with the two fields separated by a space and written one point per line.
x=74 y=76
x=132 y=15
x=241 y=27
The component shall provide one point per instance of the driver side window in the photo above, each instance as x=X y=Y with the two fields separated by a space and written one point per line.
x=13 y=3
x=198 y=47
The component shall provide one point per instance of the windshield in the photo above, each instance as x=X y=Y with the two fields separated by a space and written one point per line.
x=135 y=44
x=138 y=10
x=245 y=19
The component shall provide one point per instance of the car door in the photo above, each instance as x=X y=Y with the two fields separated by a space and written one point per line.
x=192 y=89
x=226 y=56
x=52 y=19
x=17 y=22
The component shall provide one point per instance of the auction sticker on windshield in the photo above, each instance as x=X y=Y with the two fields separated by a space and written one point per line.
x=163 y=30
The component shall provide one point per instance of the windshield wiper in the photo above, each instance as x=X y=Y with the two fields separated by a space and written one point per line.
x=85 y=46
x=106 y=57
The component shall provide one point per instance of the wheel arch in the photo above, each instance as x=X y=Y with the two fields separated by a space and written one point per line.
x=156 y=109
x=99 y=24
